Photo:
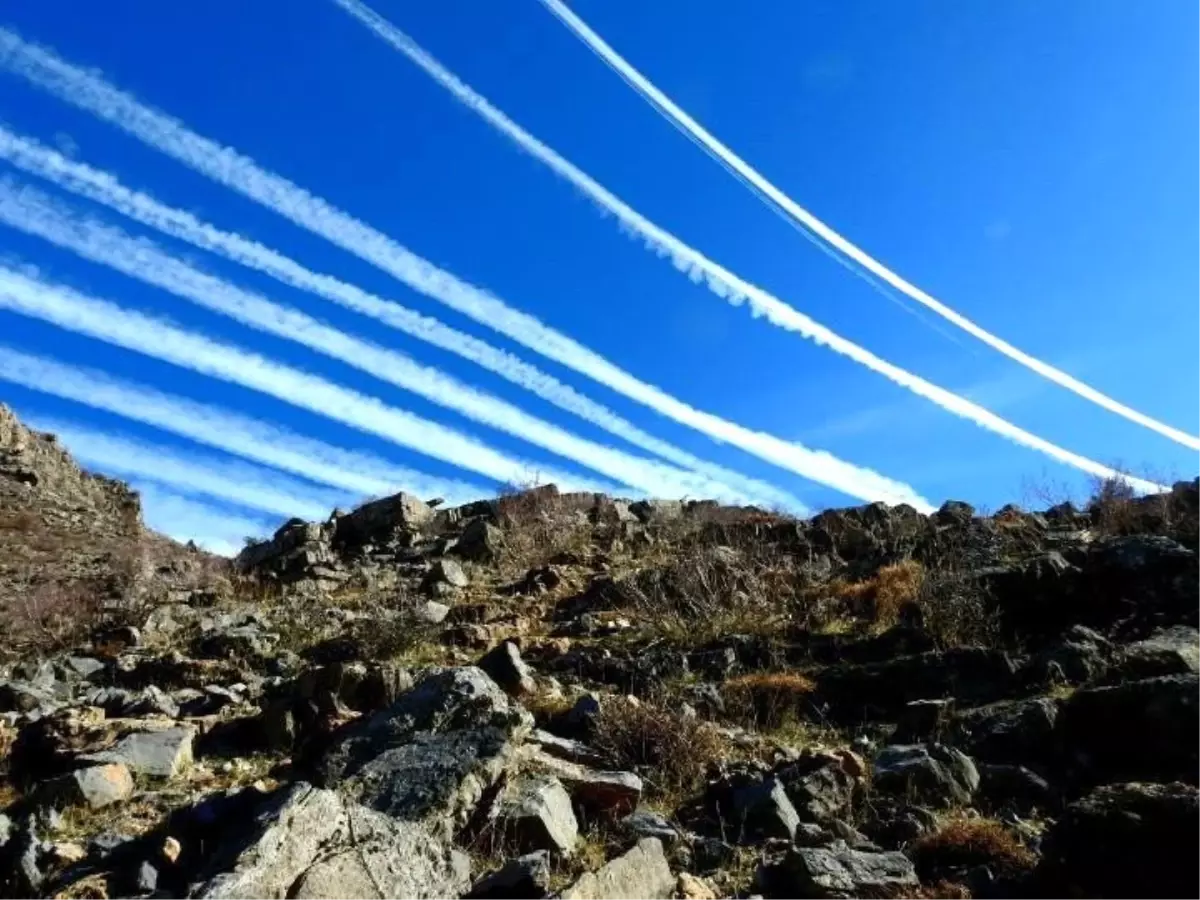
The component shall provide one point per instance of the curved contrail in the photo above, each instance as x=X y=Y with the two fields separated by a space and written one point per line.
x=35 y=213
x=249 y=438
x=104 y=188
x=90 y=92
x=27 y=295
x=718 y=279
x=799 y=217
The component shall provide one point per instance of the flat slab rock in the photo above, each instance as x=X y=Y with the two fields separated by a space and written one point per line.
x=306 y=842
x=642 y=872
x=838 y=871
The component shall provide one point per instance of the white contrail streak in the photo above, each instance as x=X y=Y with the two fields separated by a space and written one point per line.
x=35 y=213
x=102 y=187
x=225 y=480
x=798 y=216
x=107 y=322
x=225 y=166
x=242 y=436
x=699 y=268
x=185 y=520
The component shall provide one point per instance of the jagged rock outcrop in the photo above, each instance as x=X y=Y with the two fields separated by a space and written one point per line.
x=548 y=693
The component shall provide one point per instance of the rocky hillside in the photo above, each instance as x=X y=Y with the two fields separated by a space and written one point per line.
x=568 y=695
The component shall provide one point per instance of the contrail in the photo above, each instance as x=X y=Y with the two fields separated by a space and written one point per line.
x=799 y=217
x=224 y=165
x=184 y=519
x=699 y=268
x=36 y=213
x=103 y=187
x=232 y=482
x=239 y=435
x=107 y=322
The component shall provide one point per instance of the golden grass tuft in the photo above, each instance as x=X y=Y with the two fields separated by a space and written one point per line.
x=882 y=597
x=962 y=843
x=769 y=700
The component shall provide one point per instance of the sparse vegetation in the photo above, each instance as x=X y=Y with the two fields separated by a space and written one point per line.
x=882 y=598
x=963 y=843
x=768 y=700
x=671 y=751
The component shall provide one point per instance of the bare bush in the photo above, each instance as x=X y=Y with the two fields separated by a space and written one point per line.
x=538 y=525
x=671 y=751
x=42 y=618
x=769 y=700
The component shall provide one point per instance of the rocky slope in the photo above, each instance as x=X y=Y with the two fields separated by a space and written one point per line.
x=553 y=694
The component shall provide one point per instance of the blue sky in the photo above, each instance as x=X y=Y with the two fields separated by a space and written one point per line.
x=1031 y=164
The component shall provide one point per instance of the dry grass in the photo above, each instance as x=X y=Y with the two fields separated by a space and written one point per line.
x=881 y=598
x=538 y=525
x=957 y=611
x=671 y=752
x=768 y=700
x=962 y=843
x=43 y=618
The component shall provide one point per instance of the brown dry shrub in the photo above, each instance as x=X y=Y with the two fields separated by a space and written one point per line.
x=881 y=598
x=672 y=752
x=962 y=843
x=1114 y=507
x=42 y=618
x=538 y=525
x=768 y=699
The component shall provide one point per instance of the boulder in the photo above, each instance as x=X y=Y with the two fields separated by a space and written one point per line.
x=303 y=842
x=928 y=773
x=480 y=541
x=1141 y=730
x=1020 y=732
x=505 y=666
x=446 y=572
x=1168 y=651
x=881 y=690
x=434 y=752
x=526 y=876
x=157 y=754
x=642 y=872
x=821 y=786
x=838 y=871
x=595 y=790
x=753 y=806
x=95 y=787
x=534 y=813
x=1126 y=840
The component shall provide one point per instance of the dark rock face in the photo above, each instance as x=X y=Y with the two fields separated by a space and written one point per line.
x=434 y=752
x=1140 y=730
x=1127 y=840
x=934 y=774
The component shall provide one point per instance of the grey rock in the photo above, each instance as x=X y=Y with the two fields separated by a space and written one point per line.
x=525 y=876
x=307 y=843
x=480 y=541
x=23 y=697
x=1015 y=788
x=431 y=612
x=565 y=748
x=838 y=871
x=505 y=666
x=762 y=809
x=1020 y=732
x=1169 y=651
x=656 y=511
x=84 y=667
x=448 y=572
x=432 y=753
x=929 y=773
x=820 y=788
x=159 y=754
x=645 y=823
x=642 y=872
x=597 y=791
x=147 y=878
x=535 y=813
x=924 y=720
x=95 y=787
